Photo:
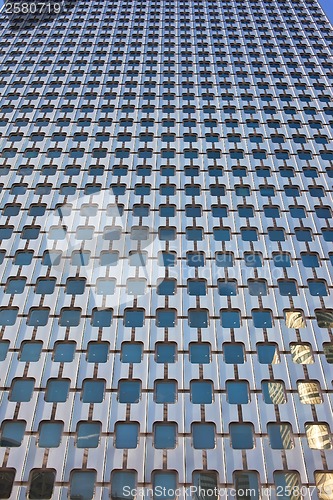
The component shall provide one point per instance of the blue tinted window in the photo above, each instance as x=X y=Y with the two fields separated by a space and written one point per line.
x=165 y=483
x=197 y=286
x=82 y=484
x=165 y=435
x=131 y=352
x=281 y=259
x=230 y=318
x=88 y=434
x=21 y=390
x=30 y=351
x=201 y=392
x=242 y=436
x=203 y=435
x=199 y=352
x=50 y=433
x=93 y=391
x=121 y=479
x=97 y=352
x=166 y=352
x=129 y=391
x=165 y=391
x=267 y=353
x=57 y=390
x=4 y=346
x=127 y=434
x=233 y=353
x=253 y=259
x=198 y=318
x=12 y=432
x=262 y=319
x=310 y=259
x=237 y=392
x=227 y=287
x=64 y=351
x=134 y=317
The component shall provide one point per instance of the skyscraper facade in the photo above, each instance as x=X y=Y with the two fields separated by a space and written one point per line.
x=166 y=257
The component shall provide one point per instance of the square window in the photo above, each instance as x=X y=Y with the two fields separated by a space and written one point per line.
x=234 y=353
x=201 y=391
x=273 y=392
x=129 y=391
x=45 y=286
x=284 y=480
x=75 y=286
x=198 y=318
x=165 y=483
x=268 y=353
x=21 y=390
x=101 y=317
x=49 y=433
x=38 y=316
x=241 y=435
x=294 y=319
x=93 y=390
x=310 y=259
x=230 y=318
x=165 y=435
x=63 y=352
x=309 y=392
x=324 y=318
x=131 y=352
x=237 y=392
x=328 y=351
x=12 y=433
x=70 y=316
x=166 y=286
x=200 y=352
x=4 y=346
x=227 y=287
x=30 y=351
x=195 y=259
x=281 y=259
x=280 y=436
x=57 y=390
x=165 y=352
x=257 y=287
x=203 y=435
x=197 y=286
x=41 y=483
x=207 y=482
x=7 y=476
x=253 y=259
x=126 y=434
x=98 y=352
x=166 y=391
x=248 y=480
x=224 y=259
x=166 y=318
x=318 y=436
x=287 y=288
x=301 y=353
x=134 y=317
x=121 y=479
x=105 y=286
x=82 y=483
x=262 y=318
x=136 y=286
x=318 y=288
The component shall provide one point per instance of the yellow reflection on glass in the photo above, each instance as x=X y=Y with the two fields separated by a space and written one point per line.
x=301 y=354
x=294 y=319
x=318 y=436
x=309 y=393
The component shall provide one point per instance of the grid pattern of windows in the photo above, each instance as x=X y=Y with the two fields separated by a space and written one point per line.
x=166 y=258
